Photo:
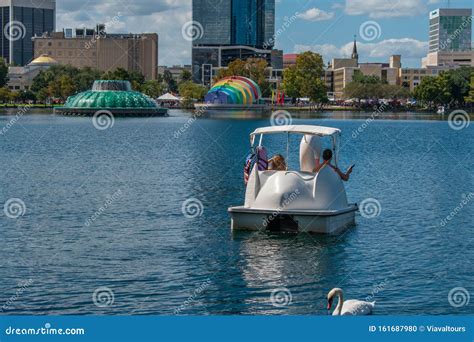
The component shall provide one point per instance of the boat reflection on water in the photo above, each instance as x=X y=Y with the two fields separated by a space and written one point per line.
x=288 y=271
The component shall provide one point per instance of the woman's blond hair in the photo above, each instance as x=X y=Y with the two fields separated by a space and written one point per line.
x=278 y=162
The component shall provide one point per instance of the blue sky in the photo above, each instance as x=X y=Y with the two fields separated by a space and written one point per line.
x=327 y=27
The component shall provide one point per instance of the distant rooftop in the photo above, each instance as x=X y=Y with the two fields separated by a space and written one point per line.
x=43 y=60
x=290 y=56
x=87 y=32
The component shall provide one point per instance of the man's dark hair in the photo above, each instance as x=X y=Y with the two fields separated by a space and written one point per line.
x=327 y=154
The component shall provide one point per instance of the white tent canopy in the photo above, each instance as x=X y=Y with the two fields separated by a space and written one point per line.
x=168 y=97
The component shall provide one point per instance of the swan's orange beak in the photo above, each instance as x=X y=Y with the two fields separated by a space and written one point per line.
x=329 y=304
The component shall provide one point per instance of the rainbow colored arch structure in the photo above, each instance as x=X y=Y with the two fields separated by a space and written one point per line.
x=234 y=90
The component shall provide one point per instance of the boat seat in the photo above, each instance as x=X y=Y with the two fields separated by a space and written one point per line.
x=309 y=175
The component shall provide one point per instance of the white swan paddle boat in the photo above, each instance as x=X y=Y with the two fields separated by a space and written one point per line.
x=296 y=201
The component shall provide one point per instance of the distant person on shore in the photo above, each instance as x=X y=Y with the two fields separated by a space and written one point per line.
x=327 y=157
x=277 y=163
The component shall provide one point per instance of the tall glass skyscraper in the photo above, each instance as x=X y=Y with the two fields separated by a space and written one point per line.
x=235 y=22
x=450 y=29
x=244 y=22
x=253 y=22
x=214 y=18
x=20 y=20
x=231 y=29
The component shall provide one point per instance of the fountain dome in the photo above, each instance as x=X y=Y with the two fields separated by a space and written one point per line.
x=114 y=96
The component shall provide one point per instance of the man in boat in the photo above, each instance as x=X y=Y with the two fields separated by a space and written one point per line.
x=327 y=157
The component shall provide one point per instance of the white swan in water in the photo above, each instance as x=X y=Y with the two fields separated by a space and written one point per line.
x=349 y=307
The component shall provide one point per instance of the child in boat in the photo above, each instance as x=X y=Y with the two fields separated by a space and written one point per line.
x=327 y=157
x=277 y=163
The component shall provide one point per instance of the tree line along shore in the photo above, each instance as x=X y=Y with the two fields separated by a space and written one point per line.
x=450 y=89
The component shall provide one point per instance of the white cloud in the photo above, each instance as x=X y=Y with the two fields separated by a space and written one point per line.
x=385 y=8
x=316 y=14
x=407 y=47
x=165 y=17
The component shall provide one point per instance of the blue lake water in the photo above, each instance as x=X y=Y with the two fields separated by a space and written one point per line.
x=103 y=212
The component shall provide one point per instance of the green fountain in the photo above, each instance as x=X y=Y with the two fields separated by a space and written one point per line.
x=116 y=97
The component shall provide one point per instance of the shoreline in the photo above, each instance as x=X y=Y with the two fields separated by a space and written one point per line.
x=304 y=111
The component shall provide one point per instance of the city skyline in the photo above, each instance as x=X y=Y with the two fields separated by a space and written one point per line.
x=321 y=26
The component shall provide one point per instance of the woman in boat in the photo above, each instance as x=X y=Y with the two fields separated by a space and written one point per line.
x=277 y=163
x=327 y=157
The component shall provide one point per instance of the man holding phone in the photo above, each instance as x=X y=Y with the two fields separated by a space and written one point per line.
x=327 y=157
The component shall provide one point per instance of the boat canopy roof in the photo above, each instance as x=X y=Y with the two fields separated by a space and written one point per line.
x=303 y=129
